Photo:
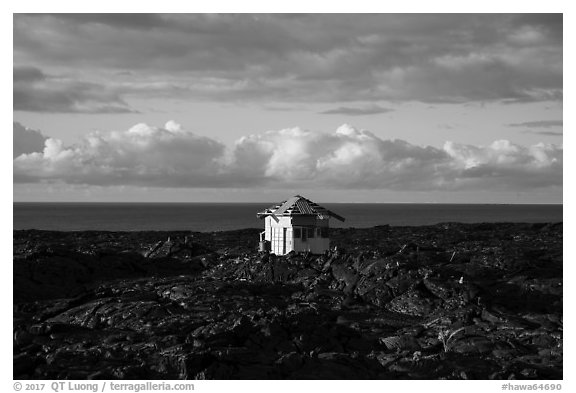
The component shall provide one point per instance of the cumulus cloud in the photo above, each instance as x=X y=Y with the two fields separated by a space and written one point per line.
x=143 y=155
x=309 y=58
x=348 y=158
x=26 y=140
x=362 y=111
x=504 y=165
x=34 y=91
x=359 y=159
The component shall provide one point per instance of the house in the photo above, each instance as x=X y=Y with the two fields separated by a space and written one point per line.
x=297 y=224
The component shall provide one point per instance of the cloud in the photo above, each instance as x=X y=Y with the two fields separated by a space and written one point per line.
x=352 y=158
x=28 y=74
x=120 y=21
x=369 y=110
x=295 y=157
x=548 y=133
x=504 y=165
x=26 y=140
x=538 y=124
x=348 y=158
x=325 y=58
x=143 y=155
x=34 y=91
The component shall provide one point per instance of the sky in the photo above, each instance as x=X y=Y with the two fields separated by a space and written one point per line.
x=426 y=108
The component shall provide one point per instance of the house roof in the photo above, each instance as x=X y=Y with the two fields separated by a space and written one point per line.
x=298 y=206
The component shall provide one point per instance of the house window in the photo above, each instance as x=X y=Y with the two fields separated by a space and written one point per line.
x=324 y=232
x=318 y=232
x=296 y=233
x=311 y=232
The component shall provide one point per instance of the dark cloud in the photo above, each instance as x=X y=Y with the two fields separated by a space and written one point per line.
x=35 y=91
x=552 y=23
x=120 y=21
x=540 y=95
x=28 y=74
x=364 y=111
x=548 y=133
x=26 y=140
x=346 y=159
x=309 y=58
x=538 y=124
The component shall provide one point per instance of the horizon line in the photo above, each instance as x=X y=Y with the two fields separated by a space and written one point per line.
x=267 y=202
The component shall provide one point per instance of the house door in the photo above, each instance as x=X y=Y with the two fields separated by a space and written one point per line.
x=283 y=241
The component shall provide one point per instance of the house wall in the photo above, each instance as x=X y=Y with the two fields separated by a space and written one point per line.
x=281 y=235
x=315 y=244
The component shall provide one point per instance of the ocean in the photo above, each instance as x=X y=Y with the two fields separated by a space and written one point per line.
x=208 y=217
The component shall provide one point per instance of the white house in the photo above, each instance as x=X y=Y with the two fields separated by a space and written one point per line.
x=297 y=224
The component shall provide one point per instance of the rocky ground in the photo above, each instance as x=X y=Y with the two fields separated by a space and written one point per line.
x=450 y=301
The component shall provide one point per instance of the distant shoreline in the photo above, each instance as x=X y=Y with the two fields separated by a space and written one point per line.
x=211 y=217
x=334 y=230
x=270 y=203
